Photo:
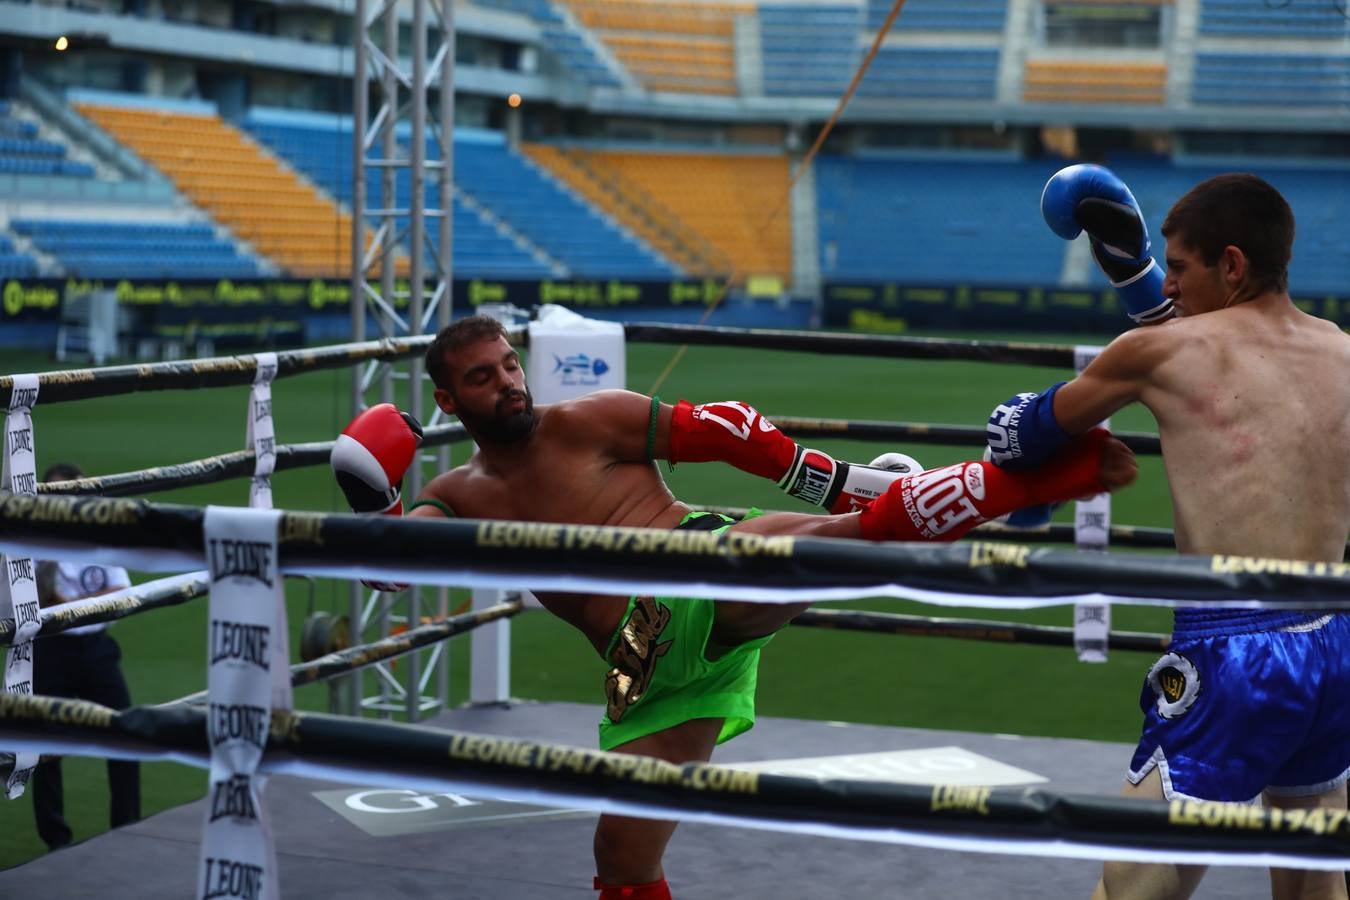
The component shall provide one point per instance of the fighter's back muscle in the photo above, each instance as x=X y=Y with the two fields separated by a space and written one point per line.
x=1254 y=413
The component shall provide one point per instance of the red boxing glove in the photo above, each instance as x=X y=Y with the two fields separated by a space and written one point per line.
x=944 y=504
x=370 y=458
x=736 y=433
x=372 y=455
x=732 y=432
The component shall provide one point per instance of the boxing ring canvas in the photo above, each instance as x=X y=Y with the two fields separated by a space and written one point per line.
x=338 y=840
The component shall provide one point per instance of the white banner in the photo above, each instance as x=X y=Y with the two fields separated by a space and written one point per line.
x=18 y=587
x=1091 y=532
x=248 y=675
x=260 y=434
x=261 y=438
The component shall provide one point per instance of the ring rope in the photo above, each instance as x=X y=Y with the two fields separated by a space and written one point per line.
x=342 y=662
x=1005 y=820
x=117 y=605
x=922 y=433
x=842 y=344
x=226 y=466
x=82 y=384
x=240 y=463
x=219 y=371
x=971 y=629
x=1054 y=533
x=732 y=565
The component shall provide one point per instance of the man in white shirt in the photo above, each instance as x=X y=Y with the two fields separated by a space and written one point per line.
x=82 y=662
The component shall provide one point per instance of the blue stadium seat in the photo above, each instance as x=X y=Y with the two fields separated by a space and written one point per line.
x=935 y=221
x=920 y=72
x=114 y=249
x=14 y=264
x=809 y=50
x=23 y=153
x=1272 y=80
x=979 y=221
x=1265 y=19
x=1321 y=259
x=941 y=15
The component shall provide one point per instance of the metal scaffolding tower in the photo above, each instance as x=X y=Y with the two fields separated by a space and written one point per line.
x=401 y=281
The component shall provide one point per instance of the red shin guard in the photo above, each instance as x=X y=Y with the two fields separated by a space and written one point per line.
x=943 y=504
x=653 y=890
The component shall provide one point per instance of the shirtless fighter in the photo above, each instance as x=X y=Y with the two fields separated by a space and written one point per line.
x=1252 y=399
x=681 y=672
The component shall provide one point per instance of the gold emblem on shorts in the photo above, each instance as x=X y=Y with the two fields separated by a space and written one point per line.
x=1173 y=684
x=635 y=656
x=1176 y=682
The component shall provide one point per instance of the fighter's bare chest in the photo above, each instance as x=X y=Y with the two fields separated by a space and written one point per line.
x=579 y=490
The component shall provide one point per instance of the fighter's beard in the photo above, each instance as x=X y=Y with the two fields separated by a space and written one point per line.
x=502 y=428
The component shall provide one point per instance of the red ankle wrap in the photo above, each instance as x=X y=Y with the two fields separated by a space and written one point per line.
x=653 y=890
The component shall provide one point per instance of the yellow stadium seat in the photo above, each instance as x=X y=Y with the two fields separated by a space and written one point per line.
x=1072 y=81
x=222 y=170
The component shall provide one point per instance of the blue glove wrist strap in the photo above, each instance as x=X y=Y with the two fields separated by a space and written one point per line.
x=1034 y=434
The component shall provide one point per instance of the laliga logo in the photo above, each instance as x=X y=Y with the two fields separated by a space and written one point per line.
x=578 y=368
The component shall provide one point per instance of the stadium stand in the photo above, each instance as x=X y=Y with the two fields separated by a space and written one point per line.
x=979 y=218
x=558 y=207
x=726 y=199
x=1321 y=259
x=941 y=15
x=563 y=39
x=809 y=50
x=494 y=184
x=677 y=47
x=14 y=264
x=1279 y=80
x=551 y=217
x=631 y=206
x=320 y=146
x=927 y=220
x=112 y=249
x=1077 y=81
x=224 y=172
x=22 y=152
x=932 y=73
x=1264 y=19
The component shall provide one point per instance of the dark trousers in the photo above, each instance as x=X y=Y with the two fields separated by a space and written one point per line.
x=85 y=666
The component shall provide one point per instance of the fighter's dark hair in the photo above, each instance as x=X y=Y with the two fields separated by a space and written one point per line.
x=469 y=330
x=1241 y=210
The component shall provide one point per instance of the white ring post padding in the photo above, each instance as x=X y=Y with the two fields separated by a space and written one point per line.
x=1092 y=532
x=18 y=572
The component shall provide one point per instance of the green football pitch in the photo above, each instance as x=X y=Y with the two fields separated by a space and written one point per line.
x=805 y=673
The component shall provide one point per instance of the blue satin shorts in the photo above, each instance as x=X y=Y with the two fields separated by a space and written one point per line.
x=1227 y=716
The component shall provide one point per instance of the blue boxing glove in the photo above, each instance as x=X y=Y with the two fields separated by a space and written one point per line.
x=1092 y=199
x=1023 y=431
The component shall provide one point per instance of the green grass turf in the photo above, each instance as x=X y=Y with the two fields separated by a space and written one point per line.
x=807 y=673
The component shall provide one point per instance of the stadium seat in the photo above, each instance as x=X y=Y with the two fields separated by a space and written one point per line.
x=736 y=203
x=103 y=248
x=223 y=171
